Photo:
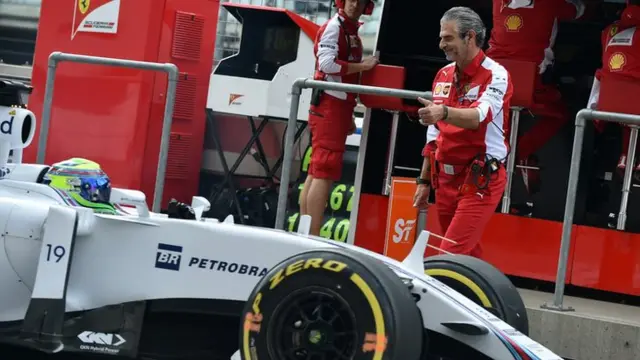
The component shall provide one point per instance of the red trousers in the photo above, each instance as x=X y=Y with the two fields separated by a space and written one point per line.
x=463 y=216
x=551 y=115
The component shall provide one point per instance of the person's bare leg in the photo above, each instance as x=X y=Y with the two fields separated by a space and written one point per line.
x=304 y=195
x=316 y=203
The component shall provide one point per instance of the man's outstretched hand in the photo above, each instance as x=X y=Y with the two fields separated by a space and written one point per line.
x=430 y=113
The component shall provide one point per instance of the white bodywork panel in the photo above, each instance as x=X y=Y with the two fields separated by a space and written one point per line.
x=254 y=97
x=119 y=259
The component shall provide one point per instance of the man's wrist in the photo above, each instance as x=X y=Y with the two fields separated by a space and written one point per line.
x=423 y=180
x=445 y=112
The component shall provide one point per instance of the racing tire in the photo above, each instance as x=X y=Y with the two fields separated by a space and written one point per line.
x=482 y=283
x=340 y=304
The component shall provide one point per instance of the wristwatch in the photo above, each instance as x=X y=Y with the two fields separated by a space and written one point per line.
x=421 y=181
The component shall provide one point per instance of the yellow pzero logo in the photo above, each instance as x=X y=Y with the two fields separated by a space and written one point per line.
x=83 y=6
x=513 y=22
x=617 y=61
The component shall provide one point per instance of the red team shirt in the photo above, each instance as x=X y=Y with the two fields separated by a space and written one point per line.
x=337 y=44
x=484 y=85
x=620 y=49
x=526 y=30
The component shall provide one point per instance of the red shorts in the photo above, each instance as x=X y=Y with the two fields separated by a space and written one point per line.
x=329 y=123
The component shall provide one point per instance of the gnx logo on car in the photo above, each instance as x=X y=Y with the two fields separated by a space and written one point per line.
x=90 y=337
x=168 y=257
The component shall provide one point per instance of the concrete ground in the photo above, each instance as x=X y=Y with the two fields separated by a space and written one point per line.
x=596 y=330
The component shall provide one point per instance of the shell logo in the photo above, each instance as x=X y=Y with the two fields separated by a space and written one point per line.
x=617 y=61
x=513 y=22
x=438 y=89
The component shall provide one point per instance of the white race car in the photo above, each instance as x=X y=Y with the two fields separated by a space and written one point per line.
x=152 y=286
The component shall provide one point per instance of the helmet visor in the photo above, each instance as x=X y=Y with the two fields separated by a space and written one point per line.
x=95 y=189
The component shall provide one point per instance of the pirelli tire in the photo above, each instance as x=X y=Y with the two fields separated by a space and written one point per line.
x=482 y=283
x=336 y=303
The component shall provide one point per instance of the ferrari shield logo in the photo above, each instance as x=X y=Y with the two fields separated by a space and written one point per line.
x=83 y=6
x=95 y=16
x=614 y=30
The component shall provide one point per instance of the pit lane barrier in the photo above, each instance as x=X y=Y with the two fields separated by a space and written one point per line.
x=172 y=72
x=576 y=156
x=296 y=90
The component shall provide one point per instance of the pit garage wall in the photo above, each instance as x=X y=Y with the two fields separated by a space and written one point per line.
x=227 y=44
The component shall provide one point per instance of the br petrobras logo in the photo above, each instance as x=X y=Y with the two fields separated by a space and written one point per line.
x=168 y=257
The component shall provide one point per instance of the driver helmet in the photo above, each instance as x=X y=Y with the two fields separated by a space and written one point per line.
x=81 y=182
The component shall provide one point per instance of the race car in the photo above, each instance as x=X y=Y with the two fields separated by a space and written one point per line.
x=133 y=283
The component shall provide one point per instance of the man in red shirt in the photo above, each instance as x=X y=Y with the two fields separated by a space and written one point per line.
x=526 y=30
x=470 y=109
x=338 y=51
x=620 y=57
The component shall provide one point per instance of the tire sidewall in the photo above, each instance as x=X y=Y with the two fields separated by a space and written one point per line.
x=496 y=286
x=373 y=318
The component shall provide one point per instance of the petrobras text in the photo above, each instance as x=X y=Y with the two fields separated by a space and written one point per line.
x=229 y=267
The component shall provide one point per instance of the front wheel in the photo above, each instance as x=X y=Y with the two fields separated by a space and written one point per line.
x=328 y=304
x=483 y=284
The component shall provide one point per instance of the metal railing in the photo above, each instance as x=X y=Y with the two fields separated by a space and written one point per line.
x=172 y=72
x=296 y=90
x=511 y=159
x=576 y=156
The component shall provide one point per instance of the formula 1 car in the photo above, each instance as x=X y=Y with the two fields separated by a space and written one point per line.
x=160 y=286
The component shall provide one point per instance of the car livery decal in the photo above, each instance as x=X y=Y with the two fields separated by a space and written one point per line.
x=519 y=352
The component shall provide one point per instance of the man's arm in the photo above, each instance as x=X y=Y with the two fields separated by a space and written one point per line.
x=595 y=88
x=425 y=172
x=488 y=106
x=328 y=47
x=463 y=118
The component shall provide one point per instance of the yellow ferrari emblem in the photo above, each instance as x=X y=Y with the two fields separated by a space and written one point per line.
x=614 y=30
x=617 y=61
x=83 y=6
x=513 y=22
